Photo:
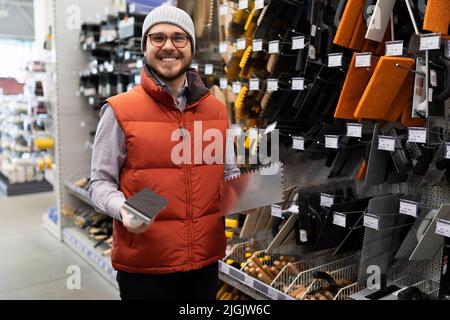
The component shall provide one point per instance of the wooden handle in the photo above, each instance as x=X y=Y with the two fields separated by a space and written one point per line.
x=292 y=268
x=264 y=278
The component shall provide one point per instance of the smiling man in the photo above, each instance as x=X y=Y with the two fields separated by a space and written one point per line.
x=176 y=256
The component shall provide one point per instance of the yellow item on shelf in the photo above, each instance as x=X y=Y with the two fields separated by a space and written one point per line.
x=44 y=143
x=40 y=164
x=229 y=234
x=48 y=162
x=245 y=57
x=437 y=16
x=231 y=223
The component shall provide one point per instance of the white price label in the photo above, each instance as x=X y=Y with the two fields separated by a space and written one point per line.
x=313 y=30
x=371 y=221
x=363 y=60
x=252 y=133
x=236 y=130
x=331 y=141
x=223 y=83
x=127 y=55
x=417 y=135
x=298 y=84
x=272 y=84
x=254 y=84
x=394 y=48
x=209 y=69
x=257 y=45
x=223 y=10
x=430 y=42
x=409 y=208
x=274 y=46
x=237 y=87
x=276 y=211
x=335 y=60
x=298 y=43
x=259 y=4
x=386 y=143
x=225 y=268
x=243 y=4
x=298 y=143
x=339 y=219
x=354 y=130
x=443 y=227
x=447 y=150
x=223 y=47
x=326 y=200
x=249 y=281
x=270 y=127
x=91 y=101
x=139 y=64
x=195 y=66
x=240 y=44
x=273 y=293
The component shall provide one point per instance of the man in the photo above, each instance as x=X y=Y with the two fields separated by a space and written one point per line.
x=176 y=257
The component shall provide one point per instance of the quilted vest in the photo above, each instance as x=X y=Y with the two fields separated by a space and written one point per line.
x=189 y=233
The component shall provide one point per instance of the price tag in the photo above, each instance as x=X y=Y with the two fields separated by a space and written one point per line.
x=298 y=84
x=272 y=84
x=249 y=281
x=298 y=143
x=236 y=130
x=274 y=46
x=240 y=44
x=237 y=87
x=354 y=130
x=139 y=64
x=195 y=66
x=313 y=30
x=270 y=127
x=386 y=143
x=443 y=227
x=225 y=268
x=257 y=45
x=223 y=47
x=339 y=219
x=252 y=133
x=430 y=41
x=223 y=83
x=447 y=150
x=335 y=60
x=409 y=208
x=363 y=59
x=259 y=4
x=276 y=211
x=273 y=293
x=91 y=101
x=371 y=221
x=223 y=9
x=243 y=4
x=417 y=135
x=331 y=141
x=209 y=69
x=127 y=55
x=326 y=200
x=394 y=48
x=298 y=42
x=254 y=84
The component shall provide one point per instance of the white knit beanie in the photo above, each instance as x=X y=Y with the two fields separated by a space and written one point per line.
x=172 y=15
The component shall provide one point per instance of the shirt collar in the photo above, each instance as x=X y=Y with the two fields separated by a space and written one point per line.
x=180 y=93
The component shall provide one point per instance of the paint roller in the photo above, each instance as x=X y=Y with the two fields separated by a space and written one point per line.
x=437 y=16
x=389 y=90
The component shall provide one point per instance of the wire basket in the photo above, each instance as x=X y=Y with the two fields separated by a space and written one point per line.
x=240 y=252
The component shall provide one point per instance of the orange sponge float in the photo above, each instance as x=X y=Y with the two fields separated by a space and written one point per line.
x=353 y=89
x=389 y=90
x=437 y=16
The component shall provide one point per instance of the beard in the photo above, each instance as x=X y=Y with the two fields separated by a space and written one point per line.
x=184 y=67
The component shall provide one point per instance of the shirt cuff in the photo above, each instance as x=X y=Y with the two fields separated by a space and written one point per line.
x=114 y=205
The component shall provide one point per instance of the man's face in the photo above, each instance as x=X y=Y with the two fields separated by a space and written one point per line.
x=166 y=59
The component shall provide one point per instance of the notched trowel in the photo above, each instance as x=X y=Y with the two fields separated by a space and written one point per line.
x=254 y=189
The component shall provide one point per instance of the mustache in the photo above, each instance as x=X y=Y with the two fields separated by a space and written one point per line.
x=169 y=55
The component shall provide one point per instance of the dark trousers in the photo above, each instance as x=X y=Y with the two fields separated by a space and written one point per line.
x=198 y=284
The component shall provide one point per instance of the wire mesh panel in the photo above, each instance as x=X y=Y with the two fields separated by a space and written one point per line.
x=346 y=292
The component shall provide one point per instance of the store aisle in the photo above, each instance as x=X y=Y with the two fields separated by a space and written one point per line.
x=33 y=263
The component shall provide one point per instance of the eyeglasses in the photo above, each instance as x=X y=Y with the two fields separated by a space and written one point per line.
x=159 y=40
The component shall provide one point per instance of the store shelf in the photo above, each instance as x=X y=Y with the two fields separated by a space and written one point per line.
x=51 y=226
x=79 y=193
x=82 y=245
x=250 y=286
x=23 y=188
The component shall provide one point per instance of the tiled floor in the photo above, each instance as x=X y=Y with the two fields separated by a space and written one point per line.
x=33 y=263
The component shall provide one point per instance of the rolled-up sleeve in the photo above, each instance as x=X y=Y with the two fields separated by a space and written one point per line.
x=108 y=157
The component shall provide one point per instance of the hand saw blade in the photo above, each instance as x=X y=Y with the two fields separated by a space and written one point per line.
x=255 y=189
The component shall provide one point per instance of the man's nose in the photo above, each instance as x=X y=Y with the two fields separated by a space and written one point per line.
x=168 y=45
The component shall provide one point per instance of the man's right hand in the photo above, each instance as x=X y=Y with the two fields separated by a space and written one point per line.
x=129 y=223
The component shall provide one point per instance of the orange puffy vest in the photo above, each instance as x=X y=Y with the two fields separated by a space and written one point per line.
x=189 y=233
